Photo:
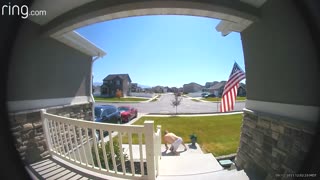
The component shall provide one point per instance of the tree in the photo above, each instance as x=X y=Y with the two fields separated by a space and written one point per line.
x=176 y=101
x=119 y=93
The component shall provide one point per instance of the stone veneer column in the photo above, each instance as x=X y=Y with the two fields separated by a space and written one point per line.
x=27 y=129
x=272 y=146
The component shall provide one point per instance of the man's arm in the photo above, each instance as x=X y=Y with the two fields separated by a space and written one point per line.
x=165 y=143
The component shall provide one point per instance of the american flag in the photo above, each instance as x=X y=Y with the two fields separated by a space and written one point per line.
x=231 y=88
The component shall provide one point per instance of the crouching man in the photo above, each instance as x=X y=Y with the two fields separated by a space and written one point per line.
x=174 y=140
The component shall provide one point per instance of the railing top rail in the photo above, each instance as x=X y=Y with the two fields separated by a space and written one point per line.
x=94 y=125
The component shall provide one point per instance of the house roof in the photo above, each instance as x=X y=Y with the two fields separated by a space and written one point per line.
x=218 y=85
x=122 y=76
x=80 y=43
x=210 y=84
x=242 y=85
x=193 y=84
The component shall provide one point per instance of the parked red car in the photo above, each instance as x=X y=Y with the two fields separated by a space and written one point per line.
x=127 y=113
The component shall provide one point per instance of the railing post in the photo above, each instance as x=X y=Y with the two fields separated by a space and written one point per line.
x=158 y=148
x=159 y=143
x=149 y=141
x=45 y=127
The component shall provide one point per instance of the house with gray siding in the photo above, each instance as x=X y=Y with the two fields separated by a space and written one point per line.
x=114 y=82
x=192 y=87
x=242 y=91
x=217 y=89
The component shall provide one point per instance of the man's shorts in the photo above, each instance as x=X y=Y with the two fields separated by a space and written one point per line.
x=176 y=144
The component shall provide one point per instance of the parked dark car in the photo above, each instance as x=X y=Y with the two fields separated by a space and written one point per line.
x=107 y=114
x=204 y=94
x=210 y=95
x=127 y=113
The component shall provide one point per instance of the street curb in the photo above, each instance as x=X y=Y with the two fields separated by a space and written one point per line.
x=119 y=101
x=224 y=157
x=194 y=114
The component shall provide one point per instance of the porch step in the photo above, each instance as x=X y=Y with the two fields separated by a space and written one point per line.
x=218 y=175
x=196 y=166
x=188 y=165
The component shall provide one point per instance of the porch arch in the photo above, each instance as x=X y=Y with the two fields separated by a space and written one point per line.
x=281 y=66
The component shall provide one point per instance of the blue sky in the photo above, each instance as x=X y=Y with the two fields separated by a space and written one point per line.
x=164 y=50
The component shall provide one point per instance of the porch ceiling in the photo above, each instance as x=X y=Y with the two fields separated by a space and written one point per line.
x=54 y=8
x=65 y=16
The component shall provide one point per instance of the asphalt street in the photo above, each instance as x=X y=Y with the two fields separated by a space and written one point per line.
x=163 y=106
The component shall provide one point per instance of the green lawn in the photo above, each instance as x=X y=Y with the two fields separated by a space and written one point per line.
x=195 y=100
x=219 y=135
x=213 y=99
x=115 y=99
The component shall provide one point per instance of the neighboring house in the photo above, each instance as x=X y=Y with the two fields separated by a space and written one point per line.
x=170 y=89
x=165 y=89
x=192 y=87
x=217 y=89
x=158 y=89
x=173 y=89
x=208 y=85
x=242 y=91
x=134 y=87
x=116 y=81
x=96 y=90
x=139 y=89
x=147 y=90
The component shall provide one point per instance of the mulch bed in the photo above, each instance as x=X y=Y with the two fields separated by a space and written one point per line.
x=137 y=167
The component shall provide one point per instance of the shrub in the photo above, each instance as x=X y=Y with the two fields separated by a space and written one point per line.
x=119 y=93
x=117 y=155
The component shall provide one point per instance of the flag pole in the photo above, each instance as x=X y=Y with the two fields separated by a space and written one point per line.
x=217 y=106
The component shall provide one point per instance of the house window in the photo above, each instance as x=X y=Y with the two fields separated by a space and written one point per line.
x=118 y=82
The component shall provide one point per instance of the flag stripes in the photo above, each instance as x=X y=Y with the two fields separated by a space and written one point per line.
x=231 y=88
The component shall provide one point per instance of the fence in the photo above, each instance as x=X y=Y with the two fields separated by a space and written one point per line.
x=76 y=141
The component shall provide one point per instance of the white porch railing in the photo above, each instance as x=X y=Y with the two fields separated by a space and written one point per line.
x=75 y=141
x=157 y=148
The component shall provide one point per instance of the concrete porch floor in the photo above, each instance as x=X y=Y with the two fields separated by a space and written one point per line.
x=194 y=164
x=190 y=164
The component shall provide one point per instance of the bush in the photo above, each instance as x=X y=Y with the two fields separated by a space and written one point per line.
x=116 y=148
x=119 y=93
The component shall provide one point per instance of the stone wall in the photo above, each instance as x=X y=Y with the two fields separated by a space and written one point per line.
x=28 y=133
x=272 y=146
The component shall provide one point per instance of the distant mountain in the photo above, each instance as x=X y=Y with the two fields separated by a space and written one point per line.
x=143 y=86
x=97 y=83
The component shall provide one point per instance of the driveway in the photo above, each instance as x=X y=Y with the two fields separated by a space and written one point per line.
x=163 y=106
